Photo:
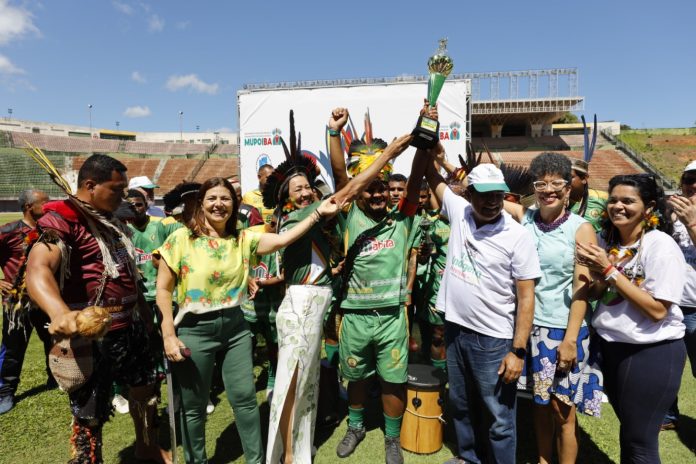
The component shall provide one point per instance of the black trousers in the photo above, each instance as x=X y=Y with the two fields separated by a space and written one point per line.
x=14 y=346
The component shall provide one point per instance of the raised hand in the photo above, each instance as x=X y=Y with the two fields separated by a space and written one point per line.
x=398 y=146
x=684 y=208
x=338 y=119
x=428 y=111
x=330 y=207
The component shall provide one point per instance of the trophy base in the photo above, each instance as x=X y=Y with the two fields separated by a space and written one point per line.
x=426 y=133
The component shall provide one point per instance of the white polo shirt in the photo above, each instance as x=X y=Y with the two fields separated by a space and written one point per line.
x=483 y=263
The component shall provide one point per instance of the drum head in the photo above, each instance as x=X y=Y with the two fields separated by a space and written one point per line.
x=424 y=376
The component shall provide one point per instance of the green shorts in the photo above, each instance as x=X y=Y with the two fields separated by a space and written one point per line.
x=374 y=342
x=429 y=313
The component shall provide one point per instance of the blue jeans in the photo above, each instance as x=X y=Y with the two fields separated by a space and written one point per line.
x=483 y=407
x=690 y=341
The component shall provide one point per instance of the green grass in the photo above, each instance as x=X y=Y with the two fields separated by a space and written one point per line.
x=37 y=429
x=669 y=150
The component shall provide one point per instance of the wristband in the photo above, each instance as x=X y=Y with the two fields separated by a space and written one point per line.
x=334 y=133
x=607 y=269
x=612 y=276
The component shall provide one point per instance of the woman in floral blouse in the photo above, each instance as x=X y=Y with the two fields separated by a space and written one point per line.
x=208 y=263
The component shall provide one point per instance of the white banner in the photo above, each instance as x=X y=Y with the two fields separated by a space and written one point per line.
x=393 y=108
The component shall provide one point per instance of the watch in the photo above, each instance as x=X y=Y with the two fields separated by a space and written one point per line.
x=519 y=352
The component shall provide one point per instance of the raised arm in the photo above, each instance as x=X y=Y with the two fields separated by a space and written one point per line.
x=268 y=242
x=360 y=182
x=432 y=175
x=338 y=119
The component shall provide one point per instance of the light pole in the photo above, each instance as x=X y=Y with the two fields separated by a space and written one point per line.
x=181 y=127
x=9 y=113
x=89 y=108
x=117 y=124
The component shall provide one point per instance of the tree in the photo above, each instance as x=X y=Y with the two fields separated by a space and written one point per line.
x=568 y=118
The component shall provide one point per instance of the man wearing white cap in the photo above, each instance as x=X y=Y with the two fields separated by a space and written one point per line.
x=487 y=295
x=144 y=183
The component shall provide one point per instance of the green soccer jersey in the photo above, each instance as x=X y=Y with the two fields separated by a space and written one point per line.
x=378 y=277
x=307 y=261
x=596 y=204
x=145 y=243
x=439 y=232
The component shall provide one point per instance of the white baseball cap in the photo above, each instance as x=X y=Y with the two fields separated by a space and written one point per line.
x=141 y=182
x=487 y=178
x=690 y=167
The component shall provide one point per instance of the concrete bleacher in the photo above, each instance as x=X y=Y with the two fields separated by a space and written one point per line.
x=174 y=172
x=218 y=167
x=63 y=144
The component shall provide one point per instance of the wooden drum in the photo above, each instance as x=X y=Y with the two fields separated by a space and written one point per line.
x=422 y=426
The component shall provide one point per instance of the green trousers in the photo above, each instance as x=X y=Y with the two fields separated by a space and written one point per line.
x=223 y=335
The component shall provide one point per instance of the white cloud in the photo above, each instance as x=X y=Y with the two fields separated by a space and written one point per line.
x=137 y=112
x=155 y=24
x=123 y=7
x=8 y=68
x=183 y=25
x=191 y=81
x=137 y=77
x=15 y=22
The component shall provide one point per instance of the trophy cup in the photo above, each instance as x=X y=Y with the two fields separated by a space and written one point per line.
x=426 y=132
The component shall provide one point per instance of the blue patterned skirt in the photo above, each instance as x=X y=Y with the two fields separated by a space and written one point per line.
x=582 y=386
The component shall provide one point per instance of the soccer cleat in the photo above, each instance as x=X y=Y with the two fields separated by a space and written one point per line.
x=210 y=407
x=6 y=403
x=350 y=441
x=392 y=450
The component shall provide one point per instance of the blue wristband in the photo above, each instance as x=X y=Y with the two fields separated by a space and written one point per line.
x=334 y=133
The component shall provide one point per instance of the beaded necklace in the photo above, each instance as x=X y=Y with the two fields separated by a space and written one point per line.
x=551 y=226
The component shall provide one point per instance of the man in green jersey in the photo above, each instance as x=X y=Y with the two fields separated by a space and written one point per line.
x=373 y=332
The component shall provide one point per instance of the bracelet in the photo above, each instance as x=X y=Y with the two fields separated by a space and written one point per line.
x=334 y=133
x=612 y=276
x=607 y=269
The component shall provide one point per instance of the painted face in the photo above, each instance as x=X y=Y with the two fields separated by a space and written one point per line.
x=625 y=207
x=217 y=205
x=36 y=208
x=140 y=207
x=552 y=197
x=374 y=197
x=397 y=190
x=107 y=195
x=487 y=206
x=299 y=192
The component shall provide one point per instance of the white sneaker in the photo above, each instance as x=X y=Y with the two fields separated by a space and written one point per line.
x=120 y=404
x=210 y=408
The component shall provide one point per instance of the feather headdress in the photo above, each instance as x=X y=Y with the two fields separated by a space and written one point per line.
x=584 y=164
x=363 y=152
x=296 y=163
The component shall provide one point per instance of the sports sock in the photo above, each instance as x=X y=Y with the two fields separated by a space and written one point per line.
x=392 y=426
x=355 y=417
x=439 y=363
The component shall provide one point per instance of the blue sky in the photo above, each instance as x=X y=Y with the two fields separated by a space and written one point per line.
x=141 y=62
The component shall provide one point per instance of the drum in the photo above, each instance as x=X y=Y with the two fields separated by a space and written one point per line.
x=422 y=426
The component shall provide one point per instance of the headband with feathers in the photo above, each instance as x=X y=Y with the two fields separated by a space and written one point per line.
x=296 y=163
x=363 y=152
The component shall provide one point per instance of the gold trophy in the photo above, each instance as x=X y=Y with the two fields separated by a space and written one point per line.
x=425 y=134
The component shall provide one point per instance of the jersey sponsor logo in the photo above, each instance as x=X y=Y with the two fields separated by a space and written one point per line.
x=142 y=257
x=261 y=271
x=372 y=246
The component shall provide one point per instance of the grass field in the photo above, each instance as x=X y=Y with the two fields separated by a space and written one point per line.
x=37 y=430
x=668 y=150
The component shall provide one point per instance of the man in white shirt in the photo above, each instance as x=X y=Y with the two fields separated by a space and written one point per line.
x=487 y=295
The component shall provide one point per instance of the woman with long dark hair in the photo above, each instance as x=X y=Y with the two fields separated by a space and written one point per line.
x=638 y=272
x=208 y=264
